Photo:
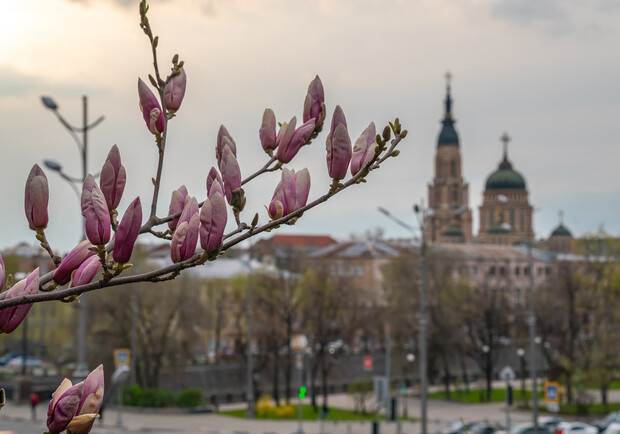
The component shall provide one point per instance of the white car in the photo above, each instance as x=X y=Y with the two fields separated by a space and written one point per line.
x=612 y=428
x=576 y=428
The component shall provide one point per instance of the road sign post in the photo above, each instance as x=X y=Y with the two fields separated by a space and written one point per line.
x=552 y=396
x=508 y=375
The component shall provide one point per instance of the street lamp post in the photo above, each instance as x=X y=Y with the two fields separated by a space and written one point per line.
x=421 y=214
x=81 y=368
x=531 y=322
x=250 y=367
x=521 y=354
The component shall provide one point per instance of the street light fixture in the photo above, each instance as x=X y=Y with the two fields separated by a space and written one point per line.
x=49 y=103
x=521 y=354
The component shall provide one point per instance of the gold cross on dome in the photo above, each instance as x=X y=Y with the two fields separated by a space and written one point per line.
x=448 y=77
x=561 y=214
x=505 y=138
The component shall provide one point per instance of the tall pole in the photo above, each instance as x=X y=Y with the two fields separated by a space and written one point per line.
x=134 y=335
x=531 y=322
x=250 y=367
x=423 y=323
x=82 y=367
x=388 y=363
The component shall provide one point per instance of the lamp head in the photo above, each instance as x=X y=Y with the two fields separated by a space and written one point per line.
x=49 y=102
x=52 y=165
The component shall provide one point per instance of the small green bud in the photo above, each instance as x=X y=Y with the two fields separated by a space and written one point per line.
x=395 y=153
x=181 y=63
x=386 y=133
x=403 y=134
x=152 y=80
x=254 y=221
x=379 y=139
x=175 y=59
x=155 y=41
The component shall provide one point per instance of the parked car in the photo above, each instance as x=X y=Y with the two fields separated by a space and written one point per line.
x=528 y=428
x=576 y=428
x=30 y=362
x=550 y=422
x=603 y=423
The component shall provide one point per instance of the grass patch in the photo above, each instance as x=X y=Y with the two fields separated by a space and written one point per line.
x=308 y=414
x=478 y=396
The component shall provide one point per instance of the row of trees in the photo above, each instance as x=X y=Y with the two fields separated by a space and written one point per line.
x=576 y=311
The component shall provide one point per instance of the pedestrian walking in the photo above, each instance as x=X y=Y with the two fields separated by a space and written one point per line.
x=34 y=400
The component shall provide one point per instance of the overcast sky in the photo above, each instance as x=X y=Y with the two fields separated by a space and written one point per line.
x=547 y=72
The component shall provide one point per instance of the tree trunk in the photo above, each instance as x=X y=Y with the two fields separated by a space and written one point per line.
x=464 y=372
x=276 y=378
x=288 y=368
x=446 y=376
x=313 y=372
x=324 y=380
x=604 y=396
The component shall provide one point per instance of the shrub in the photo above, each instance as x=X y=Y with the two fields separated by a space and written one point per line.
x=264 y=406
x=190 y=398
x=136 y=396
x=284 y=412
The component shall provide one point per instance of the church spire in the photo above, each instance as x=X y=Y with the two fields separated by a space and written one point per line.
x=505 y=164
x=448 y=114
x=448 y=135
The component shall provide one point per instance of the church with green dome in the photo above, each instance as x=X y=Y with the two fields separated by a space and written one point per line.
x=505 y=215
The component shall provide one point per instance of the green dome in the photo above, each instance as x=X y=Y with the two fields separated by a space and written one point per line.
x=453 y=231
x=561 y=231
x=505 y=178
x=448 y=135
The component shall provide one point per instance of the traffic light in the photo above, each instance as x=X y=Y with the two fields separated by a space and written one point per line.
x=302 y=392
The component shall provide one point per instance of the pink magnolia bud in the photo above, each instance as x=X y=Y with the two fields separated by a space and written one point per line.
x=290 y=140
x=214 y=182
x=231 y=174
x=267 y=132
x=36 y=198
x=213 y=216
x=72 y=261
x=95 y=212
x=175 y=91
x=224 y=138
x=113 y=178
x=151 y=110
x=338 y=146
x=2 y=273
x=185 y=237
x=11 y=317
x=90 y=404
x=314 y=105
x=86 y=272
x=63 y=406
x=127 y=233
x=291 y=193
x=177 y=203
x=364 y=149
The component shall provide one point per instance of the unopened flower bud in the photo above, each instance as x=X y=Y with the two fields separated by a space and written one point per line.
x=314 y=105
x=213 y=216
x=72 y=261
x=185 y=237
x=63 y=406
x=2 y=273
x=112 y=178
x=175 y=91
x=338 y=145
x=12 y=317
x=90 y=404
x=36 y=198
x=95 y=212
x=224 y=138
x=291 y=193
x=86 y=272
x=127 y=233
x=177 y=203
x=214 y=183
x=364 y=149
x=267 y=132
x=231 y=174
x=151 y=110
x=290 y=140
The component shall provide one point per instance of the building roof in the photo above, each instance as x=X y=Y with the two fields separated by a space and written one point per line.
x=505 y=178
x=356 y=249
x=292 y=240
x=561 y=231
x=491 y=251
